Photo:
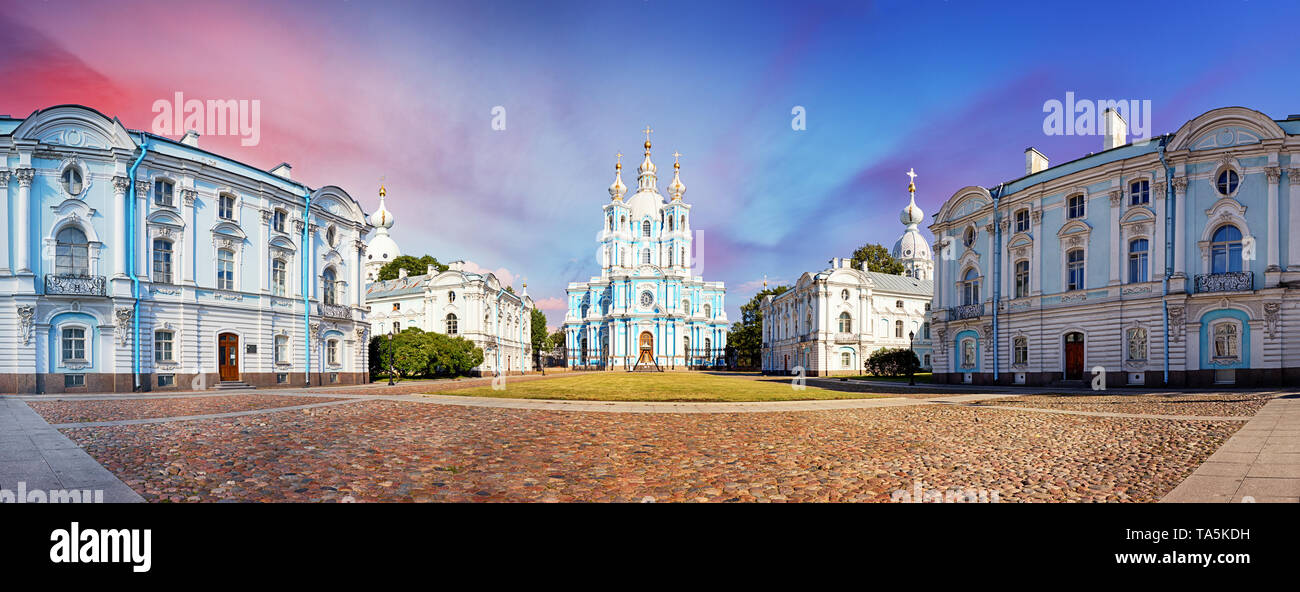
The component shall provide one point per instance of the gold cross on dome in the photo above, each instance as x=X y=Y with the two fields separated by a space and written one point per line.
x=620 y=157
x=911 y=175
x=647 y=131
x=676 y=155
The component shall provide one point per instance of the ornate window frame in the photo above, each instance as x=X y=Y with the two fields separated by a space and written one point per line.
x=178 y=351
x=157 y=176
x=1226 y=210
x=166 y=225
x=1130 y=361
x=73 y=162
x=1227 y=163
x=89 y=336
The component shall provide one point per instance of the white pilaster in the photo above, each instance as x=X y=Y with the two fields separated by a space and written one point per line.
x=22 y=222
x=1293 y=236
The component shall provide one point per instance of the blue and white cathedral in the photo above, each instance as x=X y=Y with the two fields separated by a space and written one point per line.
x=646 y=308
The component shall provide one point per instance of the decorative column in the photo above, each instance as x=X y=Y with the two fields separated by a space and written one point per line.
x=991 y=275
x=1293 y=237
x=940 y=291
x=264 y=264
x=1008 y=266
x=359 y=292
x=1180 y=227
x=141 y=237
x=1118 y=248
x=189 y=261
x=1158 y=233
x=23 y=221
x=1036 y=275
x=120 y=187
x=1274 y=225
x=4 y=221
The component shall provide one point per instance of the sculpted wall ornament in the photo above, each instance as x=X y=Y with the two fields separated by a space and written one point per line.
x=1271 y=317
x=26 y=314
x=1177 y=323
x=122 y=326
x=1274 y=175
x=1180 y=185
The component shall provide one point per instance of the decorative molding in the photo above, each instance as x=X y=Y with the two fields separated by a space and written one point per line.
x=141 y=189
x=1037 y=216
x=1115 y=197
x=25 y=177
x=26 y=314
x=1272 y=312
x=122 y=324
x=1180 y=185
x=121 y=185
x=1177 y=323
x=188 y=196
x=1274 y=174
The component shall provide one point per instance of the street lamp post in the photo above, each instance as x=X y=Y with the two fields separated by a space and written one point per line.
x=911 y=368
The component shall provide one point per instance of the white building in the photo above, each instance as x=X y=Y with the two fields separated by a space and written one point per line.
x=830 y=321
x=133 y=261
x=647 y=307
x=455 y=302
x=1172 y=261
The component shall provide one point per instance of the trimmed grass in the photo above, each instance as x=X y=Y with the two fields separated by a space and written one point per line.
x=658 y=386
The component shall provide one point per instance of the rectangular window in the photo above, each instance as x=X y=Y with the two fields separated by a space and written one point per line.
x=281 y=349
x=846 y=360
x=1076 y=207
x=1137 y=345
x=1137 y=260
x=1139 y=193
x=279 y=277
x=166 y=380
x=1022 y=221
x=74 y=344
x=226 y=207
x=162 y=346
x=70 y=380
x=162 y=192
x=282 y=378
x=332 y=351
x=1074 y=270
x=1022 y=279
x=162 y=261
x=277 y=220
x=1020 y=351
x=225 y=270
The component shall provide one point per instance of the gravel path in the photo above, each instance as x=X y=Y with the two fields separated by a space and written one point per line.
x=400 y=451
x=56 y=412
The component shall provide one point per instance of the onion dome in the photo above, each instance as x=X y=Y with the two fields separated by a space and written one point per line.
x=382 y=218
x=617 y=189
x=676 y=188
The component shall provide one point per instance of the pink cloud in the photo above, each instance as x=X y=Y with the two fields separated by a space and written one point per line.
x=507 y=278
x=553 y=303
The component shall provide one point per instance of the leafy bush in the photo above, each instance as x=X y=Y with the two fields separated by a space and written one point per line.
x=416 y=353
x=892 y=362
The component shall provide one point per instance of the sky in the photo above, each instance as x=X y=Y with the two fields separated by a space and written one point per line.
x=353 y=92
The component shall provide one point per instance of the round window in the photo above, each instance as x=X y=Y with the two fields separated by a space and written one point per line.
x=647 y=298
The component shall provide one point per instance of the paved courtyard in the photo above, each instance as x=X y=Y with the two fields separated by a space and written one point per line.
x=380 y=444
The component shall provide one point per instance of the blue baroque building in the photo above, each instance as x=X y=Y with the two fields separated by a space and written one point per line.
x=1172 y=261
x=646 y=308
x=131 y=261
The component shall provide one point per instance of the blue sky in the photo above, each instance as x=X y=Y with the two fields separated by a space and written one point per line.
x=355 y=90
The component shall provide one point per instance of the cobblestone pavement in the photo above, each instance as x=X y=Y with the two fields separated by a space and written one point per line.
x=1211 y=404
x=80 y=411
x=372 y=450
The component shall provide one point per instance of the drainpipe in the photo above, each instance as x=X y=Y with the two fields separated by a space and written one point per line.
x=997 y=275
x=130 y=266
x=1169 y=247
x=497 y=328
x=306 y=293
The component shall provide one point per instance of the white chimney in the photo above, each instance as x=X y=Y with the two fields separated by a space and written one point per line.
x=401 y=273
x=456 y=266
x=191 y=138
x=1034 y=161
x=1116 y=129
x=282 y=170
x=432 y=270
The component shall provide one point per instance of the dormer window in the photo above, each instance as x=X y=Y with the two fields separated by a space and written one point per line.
x=162 y=192
x=72 y=180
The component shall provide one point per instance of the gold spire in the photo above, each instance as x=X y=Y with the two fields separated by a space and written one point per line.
x=911 y=180
x=647 y=132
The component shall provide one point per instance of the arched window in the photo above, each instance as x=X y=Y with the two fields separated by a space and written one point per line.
x=970 y=287
x=1225 y=250
x=645 y=228
x=645 y=255
x=328 y=286
x=670 y=223
x=898 y=329
x=279 y=277
x=1137 y=260
x=332 y=352
x=451 y=296
x=686 y=306
x=1020 y=351
x=670 y=256
x=72 y=253
x=683 y=226
x=683 y=256
x=71 y=180
x=1227 y=182
x=1022 y=278
x=844 y=295
x=1074 y=265
x=609 y=223
x=968 y=353
x=331 y=236
x=162 y=261
x=451 y=324
x=708 y=347
x=846 y=322
x=708 y=311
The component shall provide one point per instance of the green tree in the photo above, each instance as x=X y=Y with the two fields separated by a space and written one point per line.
x=557 y=339
x=892 y=362
x=416 y=353
x=746 y=337
x=412 y=265
x=539 y=337
x=879 y=258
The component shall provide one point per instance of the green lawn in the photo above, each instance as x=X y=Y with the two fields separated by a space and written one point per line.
x=658 y=386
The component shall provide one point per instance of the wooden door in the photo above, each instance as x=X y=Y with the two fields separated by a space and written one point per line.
x=647 y=346
x=228 y=356
x=1074 y=356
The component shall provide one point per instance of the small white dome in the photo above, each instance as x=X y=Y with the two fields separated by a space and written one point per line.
x=382 y=249
x=381 y=217
x=911 y=215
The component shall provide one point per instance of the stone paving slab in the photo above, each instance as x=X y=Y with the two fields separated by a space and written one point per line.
x=35 y=454
x=1260 y=462
x=693 y=407
x=118 y=422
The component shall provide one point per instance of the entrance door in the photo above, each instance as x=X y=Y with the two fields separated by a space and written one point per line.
x=647 y=346
x=228 y=356
x=1074 y=356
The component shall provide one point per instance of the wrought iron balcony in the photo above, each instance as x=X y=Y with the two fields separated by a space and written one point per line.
x=846 y=337
x=76 y=285
x=965 y=311
x=1233 y=281
x=336 y=311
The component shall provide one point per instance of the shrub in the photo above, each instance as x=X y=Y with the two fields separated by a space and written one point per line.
x=892 y=362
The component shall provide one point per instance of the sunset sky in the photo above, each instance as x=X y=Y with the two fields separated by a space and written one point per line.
x=354 y=90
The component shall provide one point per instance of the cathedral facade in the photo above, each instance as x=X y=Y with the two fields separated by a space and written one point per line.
x=647 y=308
x=830 y=321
